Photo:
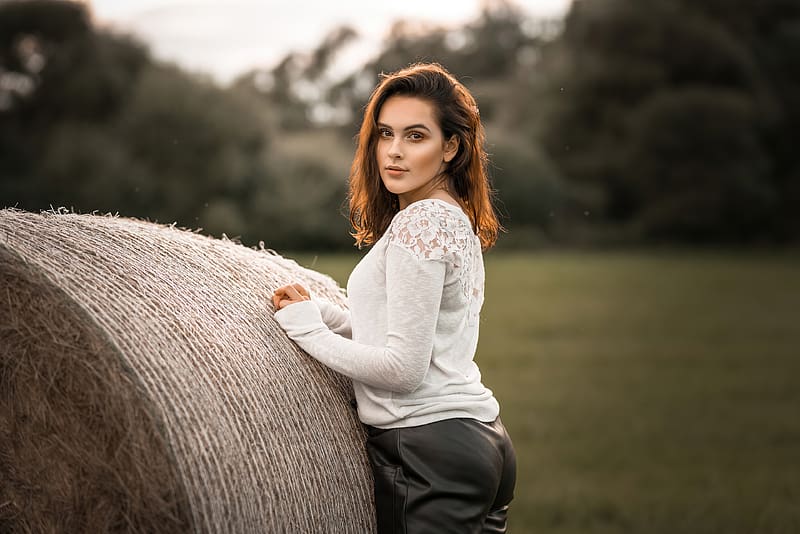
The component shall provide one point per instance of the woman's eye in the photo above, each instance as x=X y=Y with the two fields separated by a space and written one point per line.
x=383 y=132
x=415 y=136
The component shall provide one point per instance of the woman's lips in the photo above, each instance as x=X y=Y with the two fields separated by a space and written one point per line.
x=394 y=172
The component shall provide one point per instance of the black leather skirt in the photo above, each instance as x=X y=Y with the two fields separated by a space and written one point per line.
x=455 y=475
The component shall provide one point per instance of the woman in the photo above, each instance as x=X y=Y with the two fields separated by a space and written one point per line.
x=419 y=194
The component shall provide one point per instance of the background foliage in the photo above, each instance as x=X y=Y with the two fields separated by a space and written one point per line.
x=627 y=122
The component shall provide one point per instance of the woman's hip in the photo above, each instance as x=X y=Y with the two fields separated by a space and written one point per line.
x=451 y=472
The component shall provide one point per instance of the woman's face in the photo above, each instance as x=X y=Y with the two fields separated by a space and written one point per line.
x=411 y=150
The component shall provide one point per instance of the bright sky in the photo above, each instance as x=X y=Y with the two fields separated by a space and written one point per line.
x=227 y=37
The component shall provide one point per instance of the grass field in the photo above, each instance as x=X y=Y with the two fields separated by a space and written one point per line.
x=646 y=392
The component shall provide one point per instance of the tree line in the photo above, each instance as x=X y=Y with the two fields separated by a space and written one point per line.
x=629 y=121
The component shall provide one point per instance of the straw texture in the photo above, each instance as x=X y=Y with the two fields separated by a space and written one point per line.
x=145 y=387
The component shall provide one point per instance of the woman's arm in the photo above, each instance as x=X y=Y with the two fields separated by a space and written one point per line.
x=414 y=292
x=334 y=317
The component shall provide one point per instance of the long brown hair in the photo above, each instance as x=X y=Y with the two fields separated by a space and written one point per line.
x=372 y=206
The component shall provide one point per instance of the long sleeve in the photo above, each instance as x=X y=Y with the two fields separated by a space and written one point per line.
x=335 y=318
x=413 y=294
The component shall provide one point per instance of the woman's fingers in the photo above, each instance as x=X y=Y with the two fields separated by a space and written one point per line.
x=278 y=296
x=289 y=294
x=300 y=289
x=293 y=293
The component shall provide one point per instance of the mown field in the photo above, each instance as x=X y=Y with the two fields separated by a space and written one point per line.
x=646 y=392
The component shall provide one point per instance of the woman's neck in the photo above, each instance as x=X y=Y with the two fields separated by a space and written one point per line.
x=438 y=191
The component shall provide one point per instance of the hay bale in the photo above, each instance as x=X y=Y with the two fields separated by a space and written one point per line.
x=145 y=387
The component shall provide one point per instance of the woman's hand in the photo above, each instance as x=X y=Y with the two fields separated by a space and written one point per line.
x=290 y=294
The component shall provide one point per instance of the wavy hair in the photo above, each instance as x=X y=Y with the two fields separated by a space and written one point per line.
x=372 y=206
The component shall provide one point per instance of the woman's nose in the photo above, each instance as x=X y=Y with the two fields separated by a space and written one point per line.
x=394 y=149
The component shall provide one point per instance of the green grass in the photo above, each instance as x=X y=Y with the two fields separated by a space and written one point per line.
x=646 y=392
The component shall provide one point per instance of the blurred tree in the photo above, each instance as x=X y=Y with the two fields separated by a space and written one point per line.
x=103 y=127
x=707 y=173
x=199 y=145
x=64 y=72
x=529 y=190
x=295 y=88
x=307 y=98
x=670 y=111
x=666 y=119
x=486 y=52
x=305 y=203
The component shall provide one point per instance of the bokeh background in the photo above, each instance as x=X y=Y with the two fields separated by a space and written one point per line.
x=641 y=322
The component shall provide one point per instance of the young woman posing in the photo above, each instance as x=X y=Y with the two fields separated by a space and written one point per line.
x=419 y=194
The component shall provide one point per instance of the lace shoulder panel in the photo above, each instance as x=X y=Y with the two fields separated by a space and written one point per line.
x=430 y=230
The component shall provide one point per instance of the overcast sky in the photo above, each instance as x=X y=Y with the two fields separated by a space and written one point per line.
x=227 y=37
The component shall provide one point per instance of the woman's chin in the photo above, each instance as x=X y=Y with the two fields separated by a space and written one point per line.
x=395 y=189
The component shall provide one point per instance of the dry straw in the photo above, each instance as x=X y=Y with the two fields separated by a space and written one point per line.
x=146 y=387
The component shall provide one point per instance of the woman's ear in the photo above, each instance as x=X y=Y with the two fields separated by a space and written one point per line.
x=451 y=148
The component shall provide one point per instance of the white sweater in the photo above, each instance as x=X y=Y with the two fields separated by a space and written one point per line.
x=409 y=338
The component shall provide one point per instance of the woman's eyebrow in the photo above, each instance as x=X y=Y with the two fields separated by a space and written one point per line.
x=412 y=127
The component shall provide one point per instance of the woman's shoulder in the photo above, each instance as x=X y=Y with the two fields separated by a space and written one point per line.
x=431 y=229
x=435 y=211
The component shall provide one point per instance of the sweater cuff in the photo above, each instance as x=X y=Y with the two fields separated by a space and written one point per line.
x=300 y=317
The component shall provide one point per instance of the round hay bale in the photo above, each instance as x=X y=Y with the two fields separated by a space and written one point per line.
x=146 y=387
